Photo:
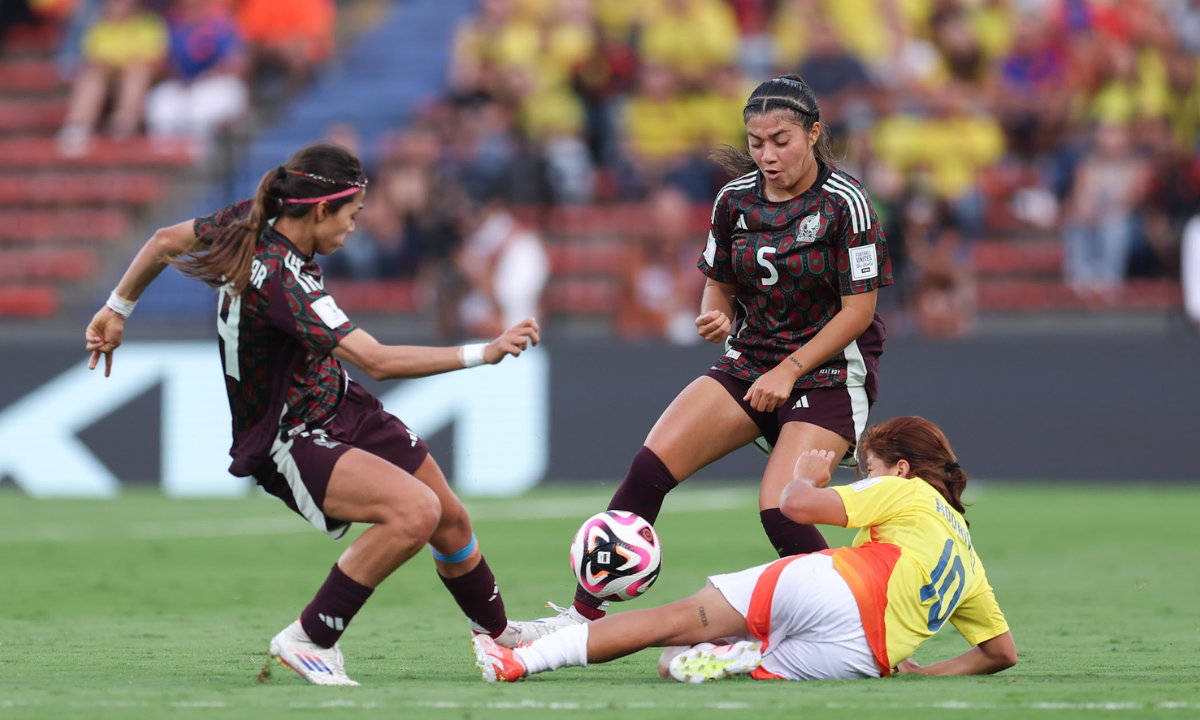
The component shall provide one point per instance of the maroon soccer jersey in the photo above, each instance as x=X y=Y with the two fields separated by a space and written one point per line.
x=792 y=262
x=276 y=337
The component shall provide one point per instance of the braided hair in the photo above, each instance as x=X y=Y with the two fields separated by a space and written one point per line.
x=312 y=172
x=792 y=96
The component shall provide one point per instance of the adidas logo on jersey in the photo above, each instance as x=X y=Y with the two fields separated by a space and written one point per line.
x=741 y=223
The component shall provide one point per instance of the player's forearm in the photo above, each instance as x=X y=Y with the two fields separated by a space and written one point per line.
x=165 y=245
x=992 y=656
x=718 y=296
x=844 y=328
x=397 y=362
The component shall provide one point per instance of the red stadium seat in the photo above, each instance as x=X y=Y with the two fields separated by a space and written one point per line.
x=37 y=226
x=1016 y=257
x=48 y=264
x=27 y=76
x=72 y=188
x=374 y=295
x=37 y=114
x=42 y=152
x=28 y=301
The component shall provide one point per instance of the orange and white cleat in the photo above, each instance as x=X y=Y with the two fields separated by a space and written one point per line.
x=706 y=662
x=498 y=664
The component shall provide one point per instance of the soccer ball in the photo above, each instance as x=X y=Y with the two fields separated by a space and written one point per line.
x=616 y=555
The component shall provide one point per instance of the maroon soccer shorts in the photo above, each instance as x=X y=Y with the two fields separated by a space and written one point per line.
x=838 y=409
x=300 y=466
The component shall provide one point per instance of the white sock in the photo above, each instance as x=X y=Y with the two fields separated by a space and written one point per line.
x=565 y=648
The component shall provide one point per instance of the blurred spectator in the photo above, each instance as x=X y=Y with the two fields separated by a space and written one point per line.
x=206 y=88
x=506 y=268
x=947 y=146
x=838 y=78
x=601 y=79
x=690 y=37
x=660 y=288
x=663 y=135
x=292 y=36
x=942 y=301
x=123 y=48
x=1173 y=196
x=1109 y=183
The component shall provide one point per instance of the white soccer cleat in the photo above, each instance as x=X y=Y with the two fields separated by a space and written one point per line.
x=316 y=664
x=524 y=632
x=707 y=662
x=496 y=663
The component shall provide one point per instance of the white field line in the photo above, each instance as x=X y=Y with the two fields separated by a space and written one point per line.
x=288 y=524
x=529 y=704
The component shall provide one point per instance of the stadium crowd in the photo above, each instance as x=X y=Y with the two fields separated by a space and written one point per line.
x=1068 y=121
x=183 y=69
x=1074 y=119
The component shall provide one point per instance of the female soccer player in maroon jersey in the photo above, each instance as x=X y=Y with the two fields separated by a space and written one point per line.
x=794 y=260
x=302 y=428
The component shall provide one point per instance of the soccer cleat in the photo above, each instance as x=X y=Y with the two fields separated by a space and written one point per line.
x=524 y=632
x=316 y=664
x=498 y=664
x=706 y=662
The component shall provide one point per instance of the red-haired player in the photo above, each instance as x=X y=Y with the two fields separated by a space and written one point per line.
x=304 y=430
x=854 y=612
x=794 y=260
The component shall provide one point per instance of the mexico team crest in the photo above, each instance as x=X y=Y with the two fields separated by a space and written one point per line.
x=807 y=231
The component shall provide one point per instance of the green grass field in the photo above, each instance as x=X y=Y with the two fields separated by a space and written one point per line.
x=150 y=607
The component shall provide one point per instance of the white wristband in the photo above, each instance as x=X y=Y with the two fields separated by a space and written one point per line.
x=120 y=305
x=471 y=355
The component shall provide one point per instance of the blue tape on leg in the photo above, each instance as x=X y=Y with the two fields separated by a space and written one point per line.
x=458 y=556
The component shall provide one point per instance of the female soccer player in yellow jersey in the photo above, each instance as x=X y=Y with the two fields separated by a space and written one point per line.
x=794 y=260
x=854 y=612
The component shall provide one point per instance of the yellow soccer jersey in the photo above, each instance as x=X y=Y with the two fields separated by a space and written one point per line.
x=912 y=567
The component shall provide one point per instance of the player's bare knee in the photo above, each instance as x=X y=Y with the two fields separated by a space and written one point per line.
x=423 y=513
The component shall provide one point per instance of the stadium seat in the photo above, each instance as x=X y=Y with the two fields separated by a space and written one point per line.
x=48 y=264
x=59 y=188
x=28 y=301
x=37 y=226
x=28 y=76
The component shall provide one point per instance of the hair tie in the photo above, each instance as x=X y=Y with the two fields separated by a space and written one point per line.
x=951 y=467
x=281 y=173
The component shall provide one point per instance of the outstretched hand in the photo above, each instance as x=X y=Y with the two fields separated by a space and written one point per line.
x=103 y=336
x=814 y=466
x=513 y=342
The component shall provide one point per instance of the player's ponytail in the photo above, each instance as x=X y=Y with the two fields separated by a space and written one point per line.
x=790 y=94
x=290 y=190
x=927 y=451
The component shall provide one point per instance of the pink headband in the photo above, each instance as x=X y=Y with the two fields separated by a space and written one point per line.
x=335 y=196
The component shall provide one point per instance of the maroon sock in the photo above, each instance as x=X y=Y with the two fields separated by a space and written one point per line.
x=335 y=605
x=479 y=597
x=642 y=492
x=790 y=538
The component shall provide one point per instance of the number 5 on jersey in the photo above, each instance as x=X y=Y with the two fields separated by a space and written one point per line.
x=768 y=264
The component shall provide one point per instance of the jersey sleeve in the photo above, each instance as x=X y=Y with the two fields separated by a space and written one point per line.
x=875 y=500
x=978 y=617
x=861 y=253
x=208 y=227
x=301 y=308
x=717 y=260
